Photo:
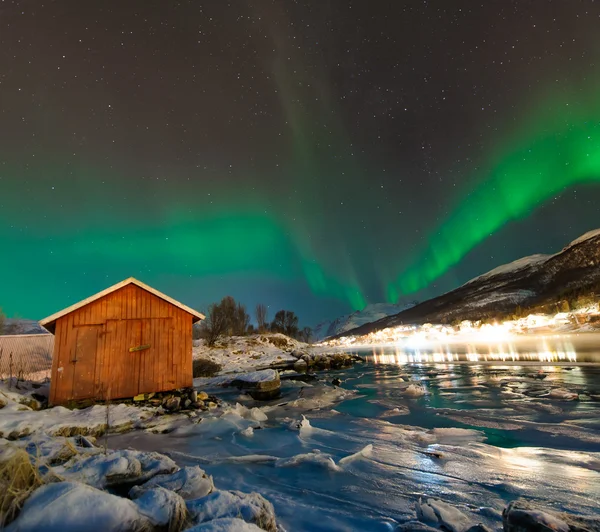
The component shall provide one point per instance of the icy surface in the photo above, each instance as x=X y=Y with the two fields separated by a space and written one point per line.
x=362 y=455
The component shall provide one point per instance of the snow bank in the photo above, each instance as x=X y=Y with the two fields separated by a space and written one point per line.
x=243 y=353
x=20 y=420
x=73 y=507
x=227 y=524
x=119 y=467
x=251 y=507
x=188 y=482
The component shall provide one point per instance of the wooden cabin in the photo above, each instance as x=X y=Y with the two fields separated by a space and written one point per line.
x=126 y=340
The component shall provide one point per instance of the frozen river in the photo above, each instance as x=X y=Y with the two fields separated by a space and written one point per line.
x=473 y=431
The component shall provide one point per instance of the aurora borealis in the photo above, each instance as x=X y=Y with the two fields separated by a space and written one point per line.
x=314 y=156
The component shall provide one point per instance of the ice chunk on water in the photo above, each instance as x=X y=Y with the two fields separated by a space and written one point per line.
x=364 y=452
x=414 y=390
x=316 y=457
x=441 y=514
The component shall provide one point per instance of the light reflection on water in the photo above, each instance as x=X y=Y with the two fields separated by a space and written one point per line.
x=555 y=351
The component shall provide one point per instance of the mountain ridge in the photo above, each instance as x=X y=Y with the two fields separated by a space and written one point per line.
x=531 y=281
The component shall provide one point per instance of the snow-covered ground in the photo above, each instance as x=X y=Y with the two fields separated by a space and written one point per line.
x=247 y=353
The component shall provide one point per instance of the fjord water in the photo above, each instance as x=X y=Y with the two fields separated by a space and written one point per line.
x=480 y=435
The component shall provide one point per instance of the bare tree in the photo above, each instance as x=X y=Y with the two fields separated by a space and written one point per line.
x=215 y=323
x=2 y=321
x=285 y=322
x=261 y=317
x=225 y=318
x=305 y=334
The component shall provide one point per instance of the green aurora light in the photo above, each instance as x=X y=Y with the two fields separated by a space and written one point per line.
x=561 y=151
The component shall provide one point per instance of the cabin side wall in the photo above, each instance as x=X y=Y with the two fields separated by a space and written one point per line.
x=92 y=357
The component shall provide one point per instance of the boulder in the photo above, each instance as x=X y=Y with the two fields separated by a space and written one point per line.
x=227 y=524
x=171 y=404
x=163 y=508
x=116 y=469
x=188 y=482
x=439 y=514
x=251 y=507
x=522 y=516
x=72 y=507
x=261 y=385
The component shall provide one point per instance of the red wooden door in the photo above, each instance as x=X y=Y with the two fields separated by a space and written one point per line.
x=84 y=361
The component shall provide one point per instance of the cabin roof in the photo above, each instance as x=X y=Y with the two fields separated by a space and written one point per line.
x=49 y=322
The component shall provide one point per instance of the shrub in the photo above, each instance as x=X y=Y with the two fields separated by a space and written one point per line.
x=203 y=367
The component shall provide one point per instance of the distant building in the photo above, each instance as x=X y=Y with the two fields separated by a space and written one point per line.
x=123 y=341
x=26 y=356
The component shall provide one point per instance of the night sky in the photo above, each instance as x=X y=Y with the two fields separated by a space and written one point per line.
x=315 y=155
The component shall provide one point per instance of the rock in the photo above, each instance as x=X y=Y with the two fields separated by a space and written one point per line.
x=198 y=405
x=297 y=354
x=303 y=377
x=442 y=515
x=188 y=482
x=72 y=507
x=187 y=403
x=164 y=509
x=202 y=396
x=415 y=526
x=211 y=404
x=117 y=468
x=193 y=396
x=584 y=397
x=522 y=516
x=227 y=524
x=300 y=365
x=261 y=385
x=140 y=397
x=172 y=404
x=251 y=507
x=336 y=382
x=478 y=528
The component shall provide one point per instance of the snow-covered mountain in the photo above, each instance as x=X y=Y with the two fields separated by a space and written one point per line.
x=370 y=313
x=532 y=281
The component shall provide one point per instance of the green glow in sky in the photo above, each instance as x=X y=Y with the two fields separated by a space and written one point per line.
x=556 y=151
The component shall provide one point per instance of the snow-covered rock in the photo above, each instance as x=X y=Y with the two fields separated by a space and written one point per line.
x=164 y=509
x=562 y=394
x=188 y=482
x=414 y=390
x=73 y=507
x=260 y=385
x=440 y=514
x=226 y=524
x=116 y=468
x=522 y=515
x=251 y=507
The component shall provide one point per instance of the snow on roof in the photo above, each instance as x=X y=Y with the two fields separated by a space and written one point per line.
x=586 y=236
x=49 y=321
